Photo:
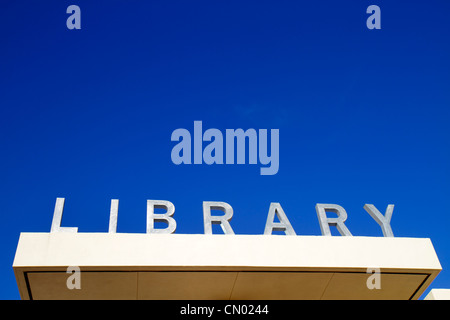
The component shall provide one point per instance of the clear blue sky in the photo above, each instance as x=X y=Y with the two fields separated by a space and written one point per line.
x=88 y=114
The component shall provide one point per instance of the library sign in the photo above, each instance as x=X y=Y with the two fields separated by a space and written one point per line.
x=275 y=209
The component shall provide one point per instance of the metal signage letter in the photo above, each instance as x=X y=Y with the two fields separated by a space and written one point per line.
x=57 y=217
x=160 y=217
x=223 y=220
x=283 y=225
x=383 y=221
x=326 y=222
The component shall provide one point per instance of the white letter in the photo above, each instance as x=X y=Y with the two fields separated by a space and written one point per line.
x=223 y=220
x=240 y=136
x=283 y=225
x=274 y=151
x=184 y=145
x=198 y=140
x=216 y=146
x=383 y=221
x=374 y=281
x=374 y=21
x=338 y=222
x=74 y=21
x=57 y=217
x=74 y=281
x=160 y=217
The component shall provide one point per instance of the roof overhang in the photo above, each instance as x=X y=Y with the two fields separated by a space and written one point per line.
x=194 y=266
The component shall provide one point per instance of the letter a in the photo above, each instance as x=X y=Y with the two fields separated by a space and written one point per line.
x=373 y=281
x=74 y=21
x=283 y=225
x=74 y=281
x=374 y=21
x=184 y=147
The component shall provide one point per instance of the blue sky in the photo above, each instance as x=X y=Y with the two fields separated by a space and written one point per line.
x=88 y=114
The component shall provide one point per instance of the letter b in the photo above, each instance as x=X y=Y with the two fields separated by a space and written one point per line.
x=160 y=217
